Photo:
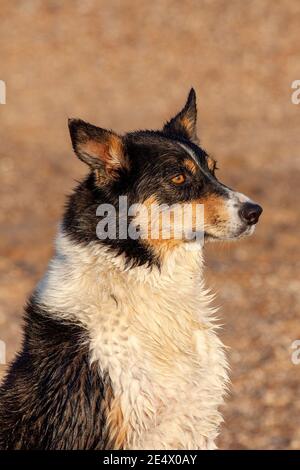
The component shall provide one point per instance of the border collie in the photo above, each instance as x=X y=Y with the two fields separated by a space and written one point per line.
x=120 y=349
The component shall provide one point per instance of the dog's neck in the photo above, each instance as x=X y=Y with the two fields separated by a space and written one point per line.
x=83 y=278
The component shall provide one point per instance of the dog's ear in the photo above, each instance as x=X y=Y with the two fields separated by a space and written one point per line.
x=101 y=149
x=184 y=123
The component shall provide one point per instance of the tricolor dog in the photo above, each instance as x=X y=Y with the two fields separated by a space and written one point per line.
x=120 y=346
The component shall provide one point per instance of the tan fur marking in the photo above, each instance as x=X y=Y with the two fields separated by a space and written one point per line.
x=111 y=153
x=216 y=216
x=211 y=163
x=116 y=428
x=214 y=209
x=161 y=244
x=187 y=123
x=95 y=149
x=116 y=150
x=190 y=165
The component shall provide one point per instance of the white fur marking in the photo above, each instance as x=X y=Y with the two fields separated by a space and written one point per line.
x=154 y=332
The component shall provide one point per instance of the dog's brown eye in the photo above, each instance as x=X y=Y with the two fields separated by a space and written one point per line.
x=178 y=179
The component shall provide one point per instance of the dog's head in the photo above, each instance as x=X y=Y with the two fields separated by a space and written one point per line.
x=158 y=168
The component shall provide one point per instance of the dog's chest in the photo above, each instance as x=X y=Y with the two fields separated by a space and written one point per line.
x=163 y=362
x=152 y=332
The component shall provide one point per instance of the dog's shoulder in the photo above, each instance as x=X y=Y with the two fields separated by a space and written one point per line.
x=52 y=397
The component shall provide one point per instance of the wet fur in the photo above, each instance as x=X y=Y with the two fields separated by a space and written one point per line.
x=52 y=377
x=120 y=345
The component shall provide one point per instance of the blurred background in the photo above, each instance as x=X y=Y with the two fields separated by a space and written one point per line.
x=129 y=64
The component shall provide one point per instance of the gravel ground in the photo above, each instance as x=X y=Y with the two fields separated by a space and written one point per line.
x=129 y=64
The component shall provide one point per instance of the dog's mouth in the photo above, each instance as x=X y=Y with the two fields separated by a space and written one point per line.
x=241 y=232
x=242 y=220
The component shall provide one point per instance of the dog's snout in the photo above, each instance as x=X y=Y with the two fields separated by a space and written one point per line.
x=250 y=213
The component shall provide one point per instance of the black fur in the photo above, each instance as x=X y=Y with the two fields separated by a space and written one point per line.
x=52 y=398
x=154 y=157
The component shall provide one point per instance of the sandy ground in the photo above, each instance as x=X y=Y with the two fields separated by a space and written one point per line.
x=129 y=64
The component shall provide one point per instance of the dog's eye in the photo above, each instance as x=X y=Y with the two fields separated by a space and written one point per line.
x=178 y=179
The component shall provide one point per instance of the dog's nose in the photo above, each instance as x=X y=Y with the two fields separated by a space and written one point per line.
x=250 y=212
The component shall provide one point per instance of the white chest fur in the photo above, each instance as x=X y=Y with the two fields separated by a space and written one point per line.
x=153 y=332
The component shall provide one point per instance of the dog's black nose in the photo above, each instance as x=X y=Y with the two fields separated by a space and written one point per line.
x=250 y=212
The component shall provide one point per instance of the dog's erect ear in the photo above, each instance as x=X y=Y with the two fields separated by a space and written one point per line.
x=99 y=148
x=184 y=123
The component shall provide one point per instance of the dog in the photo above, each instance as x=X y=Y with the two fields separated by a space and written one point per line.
x=120 y=347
